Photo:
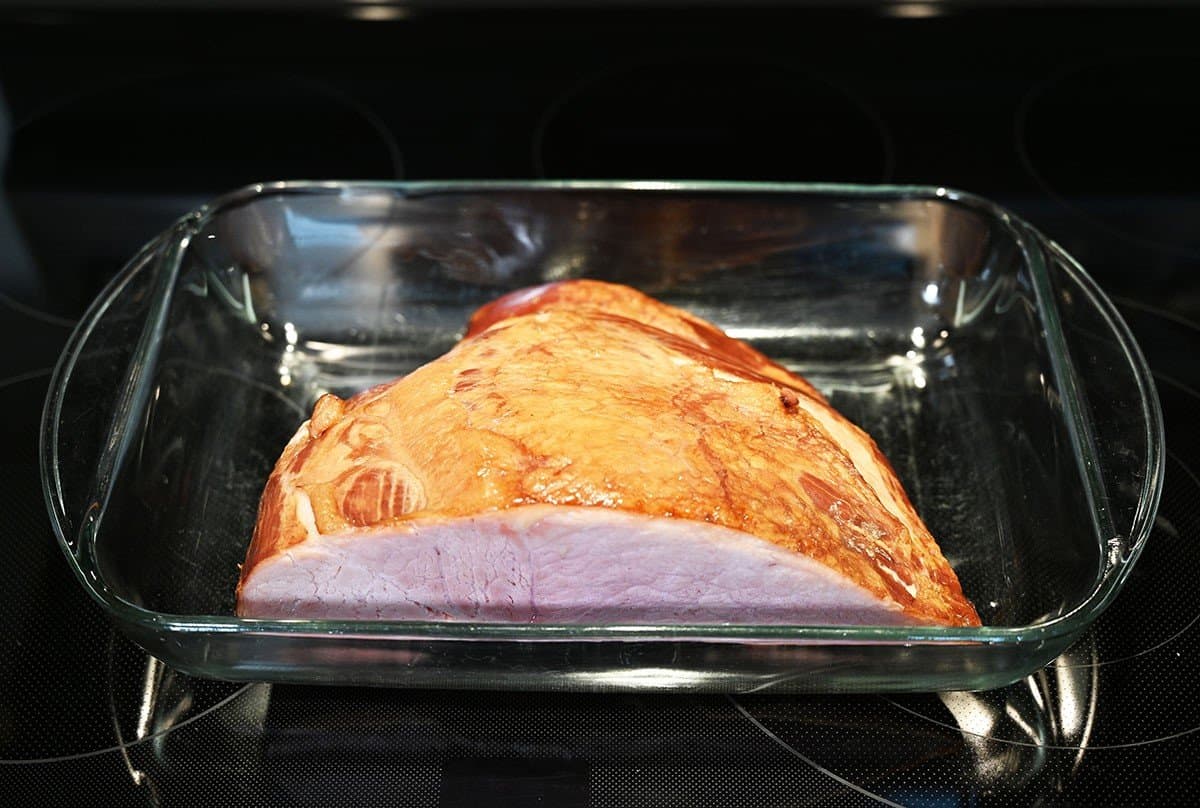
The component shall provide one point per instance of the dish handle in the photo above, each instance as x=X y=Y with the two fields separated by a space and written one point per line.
x=97 y=390
x=1122 y=444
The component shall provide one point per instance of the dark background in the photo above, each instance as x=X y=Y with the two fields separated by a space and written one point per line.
x=1081 y=117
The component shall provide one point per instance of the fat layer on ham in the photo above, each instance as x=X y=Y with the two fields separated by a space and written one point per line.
x=588 y=454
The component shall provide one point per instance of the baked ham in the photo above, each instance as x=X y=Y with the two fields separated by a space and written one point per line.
x=587 y=454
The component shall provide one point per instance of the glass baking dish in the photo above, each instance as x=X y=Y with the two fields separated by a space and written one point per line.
x=999 y=380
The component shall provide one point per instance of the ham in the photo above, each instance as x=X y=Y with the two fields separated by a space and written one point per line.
x=587 y=454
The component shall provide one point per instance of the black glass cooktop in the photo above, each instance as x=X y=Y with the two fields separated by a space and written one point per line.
x=1084 y=121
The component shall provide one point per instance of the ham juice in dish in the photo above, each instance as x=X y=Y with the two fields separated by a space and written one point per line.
x=587 y=454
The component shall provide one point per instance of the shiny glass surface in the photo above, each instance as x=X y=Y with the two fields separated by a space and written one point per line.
x=998 y=379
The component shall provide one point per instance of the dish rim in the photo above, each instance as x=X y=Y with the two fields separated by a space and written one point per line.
x=1119 y=559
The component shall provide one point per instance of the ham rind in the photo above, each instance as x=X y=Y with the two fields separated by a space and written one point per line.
x=589 y=455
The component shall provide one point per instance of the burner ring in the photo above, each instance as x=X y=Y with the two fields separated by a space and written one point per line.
x=687 y=118
x=33 y=731
x=1071 y=144
x=265 y=94
x=1115 y=689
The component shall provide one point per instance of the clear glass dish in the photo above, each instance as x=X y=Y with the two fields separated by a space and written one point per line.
x=1001 y=383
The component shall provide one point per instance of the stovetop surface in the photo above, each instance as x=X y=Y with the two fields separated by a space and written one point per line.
x=1084 y=121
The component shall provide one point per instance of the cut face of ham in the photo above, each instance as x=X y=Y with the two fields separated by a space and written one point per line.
x=589 y=455
x=558 y=564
